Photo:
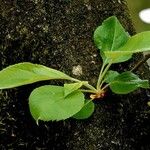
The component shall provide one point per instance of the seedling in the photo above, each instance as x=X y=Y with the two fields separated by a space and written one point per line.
x=51 y=102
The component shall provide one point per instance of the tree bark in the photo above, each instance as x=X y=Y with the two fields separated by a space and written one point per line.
x=58 y=34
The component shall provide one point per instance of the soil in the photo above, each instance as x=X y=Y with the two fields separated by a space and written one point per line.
x=58 y=34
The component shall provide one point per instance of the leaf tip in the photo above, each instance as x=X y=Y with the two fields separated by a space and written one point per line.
x=37 y=121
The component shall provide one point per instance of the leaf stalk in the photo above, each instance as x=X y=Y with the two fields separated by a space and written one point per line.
x=102 y=75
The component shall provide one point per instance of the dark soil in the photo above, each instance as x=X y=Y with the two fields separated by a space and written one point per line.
x=58 y=34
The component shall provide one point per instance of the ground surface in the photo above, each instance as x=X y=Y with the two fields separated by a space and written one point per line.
x=58 y=33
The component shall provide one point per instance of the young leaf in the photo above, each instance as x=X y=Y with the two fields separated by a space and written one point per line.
x=26 y=73
x=137 y=43
x=110 y=36
x=49 y=103
x=110 y=76
x=86 y=111
x=117 y=56
x=127 y=82
x=69 y=88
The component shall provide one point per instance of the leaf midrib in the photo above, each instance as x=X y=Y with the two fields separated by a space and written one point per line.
x=129 y=82
x=113 y=36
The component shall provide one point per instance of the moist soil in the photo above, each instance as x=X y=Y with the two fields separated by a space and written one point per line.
x=58 y=34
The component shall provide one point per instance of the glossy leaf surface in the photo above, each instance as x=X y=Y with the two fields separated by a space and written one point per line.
x=110 y=76
x=86 y=111
x=127 y=82
x=137 y=43
x=49 y=103
x=110 y=36
x=26 y=73
x=69 y=88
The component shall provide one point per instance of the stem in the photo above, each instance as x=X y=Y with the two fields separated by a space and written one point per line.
x=90 y=87
x=88 y=91
x=101 y=84
x=106 y=86
x=99 y=77
x=141 y=62
x=103 y=75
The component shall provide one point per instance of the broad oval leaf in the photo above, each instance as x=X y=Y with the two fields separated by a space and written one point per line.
x=137 y=43
x=110 y=76
x=49 y=103
x=127 y=82
x=26 y=73
x=86 y=111
x=69 y=88
x=110 y=36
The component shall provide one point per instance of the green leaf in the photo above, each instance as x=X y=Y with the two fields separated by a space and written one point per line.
x=69 y=88
x=137 y=43
x=86 y=111
x=110 y=76
x=26 y=73
x=127 y=82
x=117 y=56
x=49 y=103
x=110 y=36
